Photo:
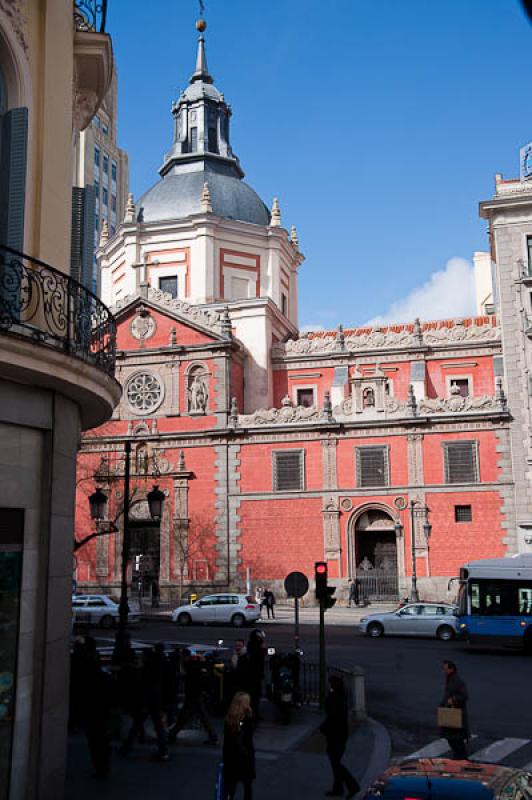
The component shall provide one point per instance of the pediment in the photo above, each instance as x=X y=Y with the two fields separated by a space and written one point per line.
x=206 y=322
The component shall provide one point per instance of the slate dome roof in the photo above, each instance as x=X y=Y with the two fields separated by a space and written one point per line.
x=178 y=195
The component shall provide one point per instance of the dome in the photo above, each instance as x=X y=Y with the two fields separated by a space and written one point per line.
x=178 y=195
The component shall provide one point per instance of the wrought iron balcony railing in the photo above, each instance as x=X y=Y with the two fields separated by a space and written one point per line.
x=49 y=307
x=90 y=15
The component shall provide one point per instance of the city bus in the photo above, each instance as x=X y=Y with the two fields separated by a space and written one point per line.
x=495 y=601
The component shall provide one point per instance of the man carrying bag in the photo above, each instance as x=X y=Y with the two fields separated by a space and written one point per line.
x=452 y=712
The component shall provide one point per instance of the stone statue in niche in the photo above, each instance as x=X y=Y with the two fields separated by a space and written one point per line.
x=368 y=398
x=198 y=394
x=142 y=460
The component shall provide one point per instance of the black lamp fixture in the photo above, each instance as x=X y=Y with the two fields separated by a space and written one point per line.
x=155 y=502
x=98 y=504
x=427 y=529
x=398 y=528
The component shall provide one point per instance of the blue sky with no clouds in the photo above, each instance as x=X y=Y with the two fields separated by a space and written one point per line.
x=379 y=124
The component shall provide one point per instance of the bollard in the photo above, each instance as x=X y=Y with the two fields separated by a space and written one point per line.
x=358 y=694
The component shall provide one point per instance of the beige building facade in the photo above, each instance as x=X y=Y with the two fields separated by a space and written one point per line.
x=57 y=346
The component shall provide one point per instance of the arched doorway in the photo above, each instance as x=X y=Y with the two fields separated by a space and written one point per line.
x=373 y=553
x=145 y=553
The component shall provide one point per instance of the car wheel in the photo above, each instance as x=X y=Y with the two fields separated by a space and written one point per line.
x=184 y=619
x=107 y=621
x=238 y=620
x=445 y=633
x=375 y=630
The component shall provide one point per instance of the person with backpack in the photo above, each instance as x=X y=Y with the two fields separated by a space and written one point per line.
x=238 y=748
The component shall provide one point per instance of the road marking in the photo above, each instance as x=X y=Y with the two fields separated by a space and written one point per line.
x=434 y=749
x=498 y=750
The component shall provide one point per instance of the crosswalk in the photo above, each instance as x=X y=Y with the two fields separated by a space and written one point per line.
x=509 y=751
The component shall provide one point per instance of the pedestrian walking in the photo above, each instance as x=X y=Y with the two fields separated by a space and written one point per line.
x=336 y=731
x=256 y=661
x=96 y=713
x=354 y=592
x=239 y=669
x=154 y=699
x=455 y=696
x=194 y=705
x=269 y=602
x=238 y=749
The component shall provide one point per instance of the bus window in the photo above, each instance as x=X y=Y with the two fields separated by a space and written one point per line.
x=475 y=598
x=525 y=601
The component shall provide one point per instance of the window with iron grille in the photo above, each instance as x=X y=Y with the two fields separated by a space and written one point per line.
x=461 y=462
x=372 y=466
x=463 y=514
x=168 y=285
x=289 y=470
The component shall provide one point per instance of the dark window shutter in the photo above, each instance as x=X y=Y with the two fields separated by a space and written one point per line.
x=13 y=159
x=461 y=462
x=288 y=471
x=372 y=466
x=82 y=234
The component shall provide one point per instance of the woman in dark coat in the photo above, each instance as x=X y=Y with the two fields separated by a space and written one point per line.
x=238 y=750
x=336 y=731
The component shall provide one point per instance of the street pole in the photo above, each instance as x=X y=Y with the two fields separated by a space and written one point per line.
x=123 y=608
x=323 y=658
x=296 y=626
x=414 y=595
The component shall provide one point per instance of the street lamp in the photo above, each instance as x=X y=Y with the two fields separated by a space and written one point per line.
x=427 y=530
x=98 y=504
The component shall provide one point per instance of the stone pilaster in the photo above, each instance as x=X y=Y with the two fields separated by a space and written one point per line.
x=227 y=520
x=328 y=450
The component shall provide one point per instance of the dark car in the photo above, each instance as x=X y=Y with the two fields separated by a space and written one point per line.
x=443 y=779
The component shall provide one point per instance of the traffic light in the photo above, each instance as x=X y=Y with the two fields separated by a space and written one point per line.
x=320 y=579
x=324 y=592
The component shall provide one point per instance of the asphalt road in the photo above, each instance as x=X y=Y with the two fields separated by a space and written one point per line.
x=404 y=679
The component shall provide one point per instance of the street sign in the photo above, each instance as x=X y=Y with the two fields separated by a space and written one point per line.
x=296 y=584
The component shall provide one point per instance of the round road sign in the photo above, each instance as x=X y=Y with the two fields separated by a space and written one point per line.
x=296 y=584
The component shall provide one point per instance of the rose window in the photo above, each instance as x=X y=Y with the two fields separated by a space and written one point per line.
x=144 y=393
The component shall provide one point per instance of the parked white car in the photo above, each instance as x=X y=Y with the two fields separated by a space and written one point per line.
x=236 y=609
x=414 y=619
x=99 y=609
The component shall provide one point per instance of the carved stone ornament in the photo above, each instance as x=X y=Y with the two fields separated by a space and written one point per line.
x=198 y=391
x=13 y=11
x=456 y=404
x=285 y=415
x=85 y=103
x=378 y=338
x=143 y=326
x=211 y=320
x=144 y=393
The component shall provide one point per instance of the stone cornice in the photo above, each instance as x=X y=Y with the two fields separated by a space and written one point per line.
x=207 y=320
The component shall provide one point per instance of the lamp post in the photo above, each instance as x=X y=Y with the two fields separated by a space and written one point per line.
x=427 y=529
x=98 y=504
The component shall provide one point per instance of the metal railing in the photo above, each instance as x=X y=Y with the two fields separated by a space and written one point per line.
x=378 y=584
x=90 y=15
x=49 y=307
x=353 y=680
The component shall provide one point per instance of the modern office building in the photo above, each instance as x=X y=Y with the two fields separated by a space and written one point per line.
x=100 y=187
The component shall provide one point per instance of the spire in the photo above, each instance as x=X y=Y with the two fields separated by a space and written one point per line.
x=294 y=238
x=201 y=73
x=206 y=204
x=276 y=213
x=104 y=237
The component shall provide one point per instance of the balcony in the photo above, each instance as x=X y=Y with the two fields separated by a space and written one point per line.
x=93 y=59
x=54 y=333
x=90 y=15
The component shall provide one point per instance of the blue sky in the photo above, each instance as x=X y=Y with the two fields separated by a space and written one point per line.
x=379 y=124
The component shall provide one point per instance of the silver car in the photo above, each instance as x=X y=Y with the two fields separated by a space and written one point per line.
x=237 y=609
x=414 y=619
x=99 y=609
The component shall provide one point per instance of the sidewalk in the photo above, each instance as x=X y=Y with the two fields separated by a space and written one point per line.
x=291 y=763
x=284 y=614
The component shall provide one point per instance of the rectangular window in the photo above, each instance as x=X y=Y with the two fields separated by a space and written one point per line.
x=96 y=121
x=461 y=462
x=372 y=466
x=288 y=470
x=105 y=197
x=193 y=140
x=168 y=285
x=305 y=397
x=106 y=164
x=105 y=128
x=97 y=189
x=463 y=514
x=284 y=304
x=113 y=171
x=529 y=254
x=462 y=384
x=113 y=202
x=213 y=140
x=96 y=156
x=239 y=288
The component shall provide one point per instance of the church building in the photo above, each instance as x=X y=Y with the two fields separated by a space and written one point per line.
x=382 y=450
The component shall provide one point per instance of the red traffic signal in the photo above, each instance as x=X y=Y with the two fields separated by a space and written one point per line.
x=320 y=579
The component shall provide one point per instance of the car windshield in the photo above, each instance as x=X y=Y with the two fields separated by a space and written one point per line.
x=114 y=598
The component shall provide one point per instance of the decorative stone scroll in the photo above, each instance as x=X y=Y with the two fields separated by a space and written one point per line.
x=287 y=414
x=206 y=318
x=456 y=404
x=378 y=338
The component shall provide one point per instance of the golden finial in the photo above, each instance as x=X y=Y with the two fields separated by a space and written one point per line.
x=201 y=25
